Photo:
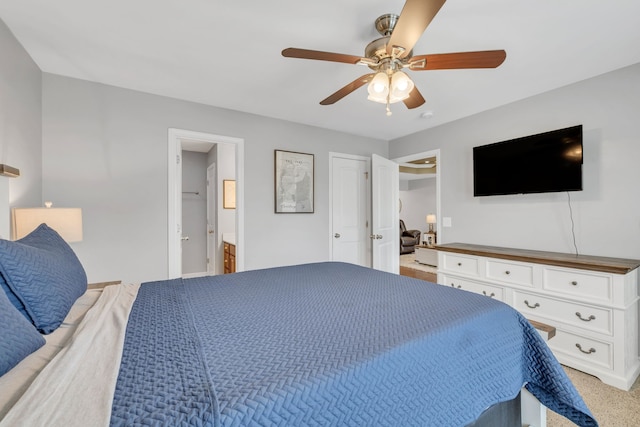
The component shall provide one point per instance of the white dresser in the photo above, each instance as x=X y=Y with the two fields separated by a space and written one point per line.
x=592 y=302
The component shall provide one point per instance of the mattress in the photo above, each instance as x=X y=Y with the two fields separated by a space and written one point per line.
x=319 y=344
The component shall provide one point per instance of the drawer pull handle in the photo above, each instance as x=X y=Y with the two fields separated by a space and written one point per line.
x=490 y=295
x=459 y=264
x=536 y=305
x=591 y=350
x=454 y=286
x=507 y=272
x=574 y=283
x=588 y=319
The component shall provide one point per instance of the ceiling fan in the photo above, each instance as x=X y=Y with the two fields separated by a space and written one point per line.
x=388 y=55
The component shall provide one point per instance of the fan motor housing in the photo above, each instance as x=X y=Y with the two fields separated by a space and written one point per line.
x=377 y=49
x=386 y=23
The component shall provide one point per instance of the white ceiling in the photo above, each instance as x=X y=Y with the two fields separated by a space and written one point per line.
x=227 y=53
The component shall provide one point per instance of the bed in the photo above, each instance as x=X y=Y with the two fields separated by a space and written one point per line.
x=315 y=344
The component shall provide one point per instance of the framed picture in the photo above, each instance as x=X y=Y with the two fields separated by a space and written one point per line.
x=293 y=182
x=229 y=194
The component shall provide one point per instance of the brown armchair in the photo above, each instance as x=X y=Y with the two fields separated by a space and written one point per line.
x=409 y=239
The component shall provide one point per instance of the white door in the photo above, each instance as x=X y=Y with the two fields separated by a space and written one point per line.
x=385 y=230
x=211 y=219
x=349 y=210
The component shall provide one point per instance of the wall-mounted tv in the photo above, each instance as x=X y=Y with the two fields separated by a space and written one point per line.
x=546 y=162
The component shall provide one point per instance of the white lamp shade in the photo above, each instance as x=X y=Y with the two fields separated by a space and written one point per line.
x=67 y=222
x=401 y=87
x=379 y=88
x=431 y=219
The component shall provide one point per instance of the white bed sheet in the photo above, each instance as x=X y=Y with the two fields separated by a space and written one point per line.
x=78 y=365
x=15 y=382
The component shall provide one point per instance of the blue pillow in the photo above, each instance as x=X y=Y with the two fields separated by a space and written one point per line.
x=13 y=299
x=44 y=275
x=18 y=337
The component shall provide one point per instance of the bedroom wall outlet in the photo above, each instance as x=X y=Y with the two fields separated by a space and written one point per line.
x=446 y=221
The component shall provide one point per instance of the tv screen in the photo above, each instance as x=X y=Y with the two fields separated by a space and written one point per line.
x=547 y=162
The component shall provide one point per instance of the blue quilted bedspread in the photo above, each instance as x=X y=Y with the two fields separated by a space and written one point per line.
x=328 y=344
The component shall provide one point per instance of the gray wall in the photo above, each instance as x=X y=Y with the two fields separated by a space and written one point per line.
x=606 y=213
x=20 y=120
x=105 y=150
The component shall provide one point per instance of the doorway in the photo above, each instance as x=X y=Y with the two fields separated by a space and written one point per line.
x=197 y=217
x=420 y=195
x=179 y=140
x=388 y=205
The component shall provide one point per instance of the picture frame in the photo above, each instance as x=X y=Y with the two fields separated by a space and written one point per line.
x=429 y=240
x=293 y=182
x=228 y=194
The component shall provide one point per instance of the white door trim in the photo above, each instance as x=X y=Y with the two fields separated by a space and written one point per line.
x=212 y=216
x=174 y=195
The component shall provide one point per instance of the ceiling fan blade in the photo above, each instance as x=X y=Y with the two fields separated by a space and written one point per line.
x=416 y=15
x=341 y=93
x=414 y=100
x=451 y=61
x=293 y=52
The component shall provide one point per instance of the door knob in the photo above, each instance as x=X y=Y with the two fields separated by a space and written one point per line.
x=337 y=235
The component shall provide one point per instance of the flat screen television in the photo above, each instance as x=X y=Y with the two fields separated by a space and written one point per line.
x=542 y=163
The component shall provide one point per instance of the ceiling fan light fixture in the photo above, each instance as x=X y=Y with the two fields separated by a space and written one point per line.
x=389 y=54
x=379 y=88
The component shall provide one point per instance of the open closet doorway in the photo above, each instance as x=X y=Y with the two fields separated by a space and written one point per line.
x=198 y=209
x=198 y=218
x=419 y=205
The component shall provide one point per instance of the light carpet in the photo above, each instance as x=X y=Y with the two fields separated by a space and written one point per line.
x=409 y=260
x=610 y=406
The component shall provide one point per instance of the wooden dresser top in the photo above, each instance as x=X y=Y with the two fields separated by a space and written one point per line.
x=583 y=262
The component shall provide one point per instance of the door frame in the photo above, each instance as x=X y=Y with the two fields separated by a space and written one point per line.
x=174 y=194
x=431 y=153
x=212 y=219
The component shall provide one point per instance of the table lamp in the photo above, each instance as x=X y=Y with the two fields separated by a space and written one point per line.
x=67 y=222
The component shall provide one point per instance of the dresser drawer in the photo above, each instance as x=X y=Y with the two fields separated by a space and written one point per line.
x=580 y=315
x=584 y=285
x=583 y=348
x=494 y=292
x=518 y=274
x=460 y=264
